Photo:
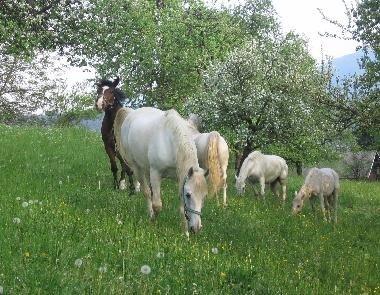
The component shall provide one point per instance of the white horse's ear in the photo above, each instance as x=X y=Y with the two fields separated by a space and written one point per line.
x=190 y=172
x=207 y=172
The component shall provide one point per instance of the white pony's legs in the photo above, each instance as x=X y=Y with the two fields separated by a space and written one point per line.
x=225 y=193
x=322 y=201
x=155 y=182
x=262 y=186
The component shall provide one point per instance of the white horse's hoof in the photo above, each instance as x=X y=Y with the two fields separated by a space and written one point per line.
x=122 y=185
x=137 y=187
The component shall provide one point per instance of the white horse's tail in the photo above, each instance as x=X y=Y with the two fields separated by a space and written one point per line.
x=213 y=159
x=119 y=119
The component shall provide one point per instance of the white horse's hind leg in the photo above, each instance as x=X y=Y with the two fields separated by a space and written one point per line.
x=136 y=184
x=262 y=186
x=225 y=193
x=322 y=202
x=155 y=182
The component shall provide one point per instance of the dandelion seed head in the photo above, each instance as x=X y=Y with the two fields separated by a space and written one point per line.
x=16 y=220
x=215 y=250
x=145 y=269
x=25 y=204
x=78 y=262
x=160 y=255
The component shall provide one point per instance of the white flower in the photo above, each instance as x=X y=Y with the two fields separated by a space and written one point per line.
x=18 y=199
x=102 y=269
x=60 y=182
x=119 y=222
x=25 y=204
x=16 y=220
x=78 y=262
x=30 y=202
x=160 y=255
x=145 y=269
x=215 y=250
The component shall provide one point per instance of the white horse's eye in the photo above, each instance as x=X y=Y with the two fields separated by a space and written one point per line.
x=188 y=195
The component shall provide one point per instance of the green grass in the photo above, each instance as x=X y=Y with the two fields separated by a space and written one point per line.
x=262 y=249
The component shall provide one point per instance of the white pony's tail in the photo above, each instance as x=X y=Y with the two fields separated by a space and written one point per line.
x=216 y=174
x=119 y=119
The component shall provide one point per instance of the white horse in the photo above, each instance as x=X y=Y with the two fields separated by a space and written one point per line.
x=265 y=169
x=212 y=150
x=158 y=144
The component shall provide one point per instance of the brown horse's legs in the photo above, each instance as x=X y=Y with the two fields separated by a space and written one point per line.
x=111 y=155
x=125 y=169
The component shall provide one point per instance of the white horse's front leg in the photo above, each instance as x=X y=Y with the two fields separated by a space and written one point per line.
x=185 y=225
x=322 y=202
x=155 y=182
x=262 y=187
x=225 y=193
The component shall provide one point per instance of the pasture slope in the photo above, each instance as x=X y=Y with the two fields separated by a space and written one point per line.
x=61 y=234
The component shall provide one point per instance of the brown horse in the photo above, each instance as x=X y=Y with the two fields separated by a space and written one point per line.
x=109 y=99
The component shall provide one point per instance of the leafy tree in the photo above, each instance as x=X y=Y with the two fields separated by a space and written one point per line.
x=265 y=96
x=26 y=86
x=28 y=25
x=357 y=100
x=161 y=48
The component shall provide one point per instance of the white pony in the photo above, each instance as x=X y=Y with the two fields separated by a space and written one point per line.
x=158 y=144
x=212 y=150
x=265 y=169
x=324 y=184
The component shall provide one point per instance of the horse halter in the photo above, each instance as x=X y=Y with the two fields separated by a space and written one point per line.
x=186 y=209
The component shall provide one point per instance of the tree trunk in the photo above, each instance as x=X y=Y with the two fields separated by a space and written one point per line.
x=240 y=157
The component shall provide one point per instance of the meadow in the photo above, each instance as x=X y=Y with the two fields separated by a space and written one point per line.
x=65 y=230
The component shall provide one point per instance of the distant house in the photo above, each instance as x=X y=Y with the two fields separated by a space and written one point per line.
x=374 y=172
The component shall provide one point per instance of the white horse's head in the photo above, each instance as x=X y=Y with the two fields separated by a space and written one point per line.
x=194 y=193
x=299 y=199
x=240 y=185
x=106 y=94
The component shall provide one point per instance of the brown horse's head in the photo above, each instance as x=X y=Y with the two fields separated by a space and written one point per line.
x=108 y=95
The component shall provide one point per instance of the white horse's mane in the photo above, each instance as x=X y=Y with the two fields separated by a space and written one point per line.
x=187 y=151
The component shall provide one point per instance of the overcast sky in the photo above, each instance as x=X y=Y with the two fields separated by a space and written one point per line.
x=303 y=17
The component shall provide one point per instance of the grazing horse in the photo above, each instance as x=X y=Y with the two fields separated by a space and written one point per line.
x=212 y=150
x=159 y=144
x=109 y=99
x=324 y=184
x=266 y=169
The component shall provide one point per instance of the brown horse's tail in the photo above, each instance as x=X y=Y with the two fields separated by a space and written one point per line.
x=119 y=119
x=215 y=169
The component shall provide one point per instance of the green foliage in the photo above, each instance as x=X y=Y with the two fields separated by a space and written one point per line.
x=261 y=248
x=160 y=50
x=35 y=24
x=265 y=96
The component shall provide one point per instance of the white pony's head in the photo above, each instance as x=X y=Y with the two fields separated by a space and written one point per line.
x=194 y=193
x=240 y=185
x=299 y=199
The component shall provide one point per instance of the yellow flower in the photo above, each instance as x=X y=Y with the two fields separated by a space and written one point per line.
x=26 y=254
